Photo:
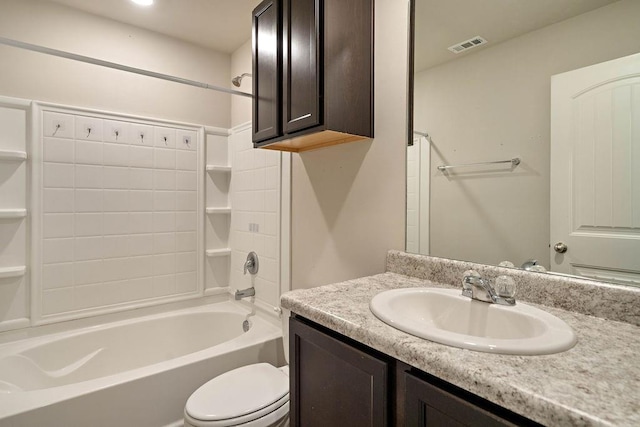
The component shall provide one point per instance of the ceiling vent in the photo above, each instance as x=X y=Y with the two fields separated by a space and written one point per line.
x=467 y=44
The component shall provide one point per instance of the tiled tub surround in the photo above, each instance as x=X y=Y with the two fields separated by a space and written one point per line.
x=120 y=206
x=255 y=219
x=594 y=383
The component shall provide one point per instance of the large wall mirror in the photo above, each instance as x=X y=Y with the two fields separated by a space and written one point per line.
x=526 y=135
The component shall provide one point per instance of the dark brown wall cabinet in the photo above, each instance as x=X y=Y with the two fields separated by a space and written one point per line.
x=312 y=73
x=336 y=381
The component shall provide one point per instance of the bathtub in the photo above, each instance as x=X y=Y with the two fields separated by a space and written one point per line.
x=134 y=372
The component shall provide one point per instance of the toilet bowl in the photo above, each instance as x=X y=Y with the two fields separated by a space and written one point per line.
x=255 y=395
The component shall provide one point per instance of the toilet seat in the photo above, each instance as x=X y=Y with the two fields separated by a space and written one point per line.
x=240 y=396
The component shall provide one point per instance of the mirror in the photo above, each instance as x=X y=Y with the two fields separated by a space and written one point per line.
x=491 y=102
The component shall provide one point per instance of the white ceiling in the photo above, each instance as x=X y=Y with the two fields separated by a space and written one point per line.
x=221 y=25
x=443 y=23
x=224 y=25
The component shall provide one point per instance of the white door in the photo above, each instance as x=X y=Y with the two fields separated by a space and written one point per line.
x=595 y=171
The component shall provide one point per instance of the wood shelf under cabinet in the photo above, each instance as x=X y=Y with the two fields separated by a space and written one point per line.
x=314 y=141
x=215 y=253
x=13 y=213
x=218 y=211
x=13 y=155
x=8 y=272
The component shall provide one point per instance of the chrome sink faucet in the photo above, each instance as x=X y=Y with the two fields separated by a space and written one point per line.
x=480 y=289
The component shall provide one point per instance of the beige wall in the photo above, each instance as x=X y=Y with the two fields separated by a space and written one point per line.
x=241 y=63
x=348 y=201
x=493 y=105
x=37 y=76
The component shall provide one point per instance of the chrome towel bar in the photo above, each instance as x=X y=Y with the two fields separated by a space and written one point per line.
x=514 y=162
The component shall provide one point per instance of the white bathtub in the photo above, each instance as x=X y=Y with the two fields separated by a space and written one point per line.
x=137 y=372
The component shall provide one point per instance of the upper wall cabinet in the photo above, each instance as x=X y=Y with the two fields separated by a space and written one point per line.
x=312 y=73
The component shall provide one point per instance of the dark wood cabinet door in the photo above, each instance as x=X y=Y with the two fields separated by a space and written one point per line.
x=302 y=44
x=429 y=406
x=333 y=383
x=267 y=70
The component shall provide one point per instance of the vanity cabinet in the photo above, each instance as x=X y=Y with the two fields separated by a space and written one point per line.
x=336 y=381
x=312 y=73
x=428 y=405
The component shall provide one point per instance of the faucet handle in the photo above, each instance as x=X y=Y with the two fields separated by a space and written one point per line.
x=505 y=287
x=251 y=264
x=467 y=277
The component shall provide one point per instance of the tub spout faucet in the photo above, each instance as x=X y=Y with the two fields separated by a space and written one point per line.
x=243 y=293
x=480 y=289
x=251 y=264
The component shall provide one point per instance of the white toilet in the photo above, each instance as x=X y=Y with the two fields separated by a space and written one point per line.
x=252 y=396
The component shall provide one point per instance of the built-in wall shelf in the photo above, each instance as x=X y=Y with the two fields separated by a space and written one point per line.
x=214 y=253
x=7 y=272
x=214 y=211
x=12 y=213
x=218 y=168
x=13 y=155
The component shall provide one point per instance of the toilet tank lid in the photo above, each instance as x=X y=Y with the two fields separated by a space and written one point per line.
x=238 y=392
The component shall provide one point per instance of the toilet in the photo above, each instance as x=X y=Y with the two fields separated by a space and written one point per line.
x=252 y=396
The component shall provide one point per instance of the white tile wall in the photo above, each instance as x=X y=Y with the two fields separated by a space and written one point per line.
x=119 y=212
x=255 y=197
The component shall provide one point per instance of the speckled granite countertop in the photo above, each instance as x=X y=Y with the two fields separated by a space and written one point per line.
x=595 y=383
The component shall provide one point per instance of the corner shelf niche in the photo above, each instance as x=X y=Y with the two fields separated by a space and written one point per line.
x=13 y=213
x=8 y=272
x=218 y=168
x=13 y=155
x=217 y=253
x=218 y=211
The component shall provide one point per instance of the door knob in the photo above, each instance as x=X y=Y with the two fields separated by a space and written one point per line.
x=560 y=247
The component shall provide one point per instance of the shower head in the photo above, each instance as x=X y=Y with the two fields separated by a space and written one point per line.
x=237 y=80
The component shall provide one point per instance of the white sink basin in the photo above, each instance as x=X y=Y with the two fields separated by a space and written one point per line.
x=447 y=317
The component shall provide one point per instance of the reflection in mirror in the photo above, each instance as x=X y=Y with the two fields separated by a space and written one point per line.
x=576 y=181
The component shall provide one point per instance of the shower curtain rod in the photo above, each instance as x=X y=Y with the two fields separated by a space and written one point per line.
x=116 y=66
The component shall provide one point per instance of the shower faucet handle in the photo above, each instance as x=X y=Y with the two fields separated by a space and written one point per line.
x=251 y=264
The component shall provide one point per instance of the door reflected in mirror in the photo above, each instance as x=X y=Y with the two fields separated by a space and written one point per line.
x=572 y=202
